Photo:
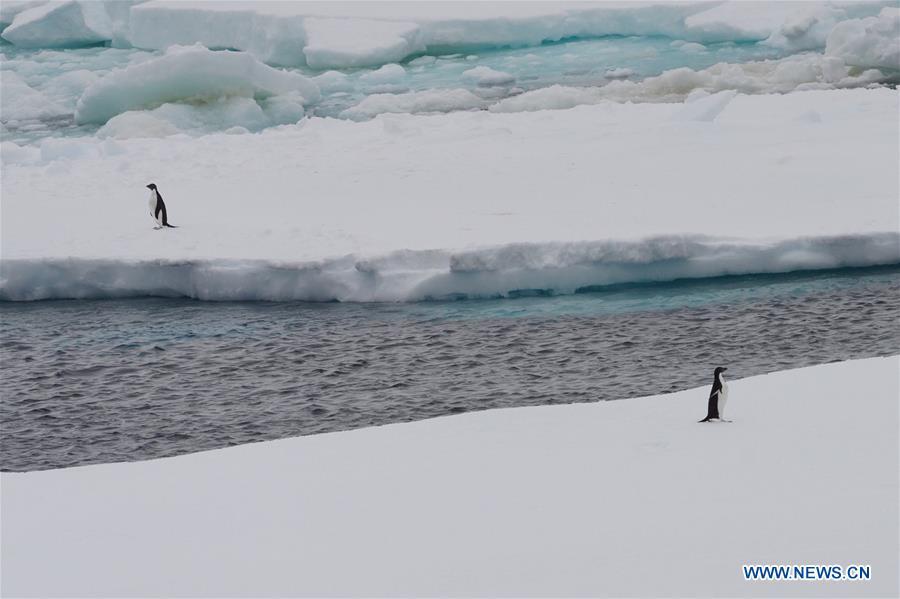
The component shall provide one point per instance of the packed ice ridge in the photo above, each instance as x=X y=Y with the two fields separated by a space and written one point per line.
x=292 y=34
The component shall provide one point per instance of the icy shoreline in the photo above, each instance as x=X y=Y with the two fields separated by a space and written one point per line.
x=582 y=499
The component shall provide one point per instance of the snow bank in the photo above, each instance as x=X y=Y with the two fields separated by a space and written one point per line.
x=869 y=42
x=558 y=268
x=60 y=24
x=624 y=498
x=800 y=72
x=427 y=101
x=187 y=74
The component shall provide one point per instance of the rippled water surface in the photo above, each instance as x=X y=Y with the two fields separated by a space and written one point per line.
x=100 y=381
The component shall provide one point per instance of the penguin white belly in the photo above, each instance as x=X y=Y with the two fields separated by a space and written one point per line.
x=723 y=398
x=152 y=204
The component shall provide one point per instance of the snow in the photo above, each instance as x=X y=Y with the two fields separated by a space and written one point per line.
x=705 y=109
x=411 y=275
x=353 y=34
x=869 y=42
x=427 y=101
x=187 y=73
x=738 y=21
x=358 y=42
x=763 y=187
x=10 y=8
x=488 y=77
x=64 y=23
x=276 y=39
x=799 y=72
x=623 y=498
x=24 y=103
x=619 y=73
x=389 y=73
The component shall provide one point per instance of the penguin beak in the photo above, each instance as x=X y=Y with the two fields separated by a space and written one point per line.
x=148 y=187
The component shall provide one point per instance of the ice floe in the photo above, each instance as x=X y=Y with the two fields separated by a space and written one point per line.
x=190 y=73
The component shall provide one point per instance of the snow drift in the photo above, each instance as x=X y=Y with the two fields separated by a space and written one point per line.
x=510 y=270
x=190 y=73
x=573 y=500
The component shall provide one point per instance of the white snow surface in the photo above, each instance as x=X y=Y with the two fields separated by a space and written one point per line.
x=187 y=73
x=351 y=34
x=623 y=498
x=405 y=207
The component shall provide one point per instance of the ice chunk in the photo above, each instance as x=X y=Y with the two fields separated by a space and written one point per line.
x=10 y=8
x=806 y=29
x=738 y=21
x=60 y=24
x=333 y=81
x=137 y=123
x=219 y=114
x=488 y=77
x=389 y=73
x=358 y=42
x=69 y=86
x=188 y=73
x=868 y=42
x=432 y=100
x=268 y=32
x=692 y=48
x=12 y=153
x=24 y=103
x=285 y=109
x=554 y=97
x=620 y=73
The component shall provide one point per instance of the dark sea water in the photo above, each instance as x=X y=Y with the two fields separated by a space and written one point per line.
x=101 y=381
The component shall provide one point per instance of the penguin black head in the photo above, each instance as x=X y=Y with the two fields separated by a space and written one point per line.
x=719 y=371
x=152 y=186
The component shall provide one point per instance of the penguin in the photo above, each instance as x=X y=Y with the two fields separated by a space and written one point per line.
x=718 y=395
x=158 y=208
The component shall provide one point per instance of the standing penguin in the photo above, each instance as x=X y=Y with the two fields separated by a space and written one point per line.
x=717 y=397
x=158 y=208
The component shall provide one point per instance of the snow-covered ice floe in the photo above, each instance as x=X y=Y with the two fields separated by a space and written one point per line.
x=511 y=270
x=467 y=204
x=616 y=498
